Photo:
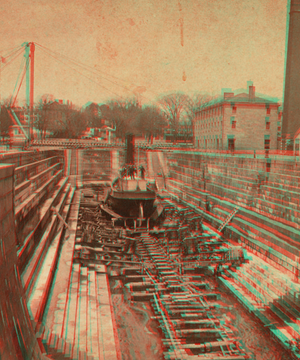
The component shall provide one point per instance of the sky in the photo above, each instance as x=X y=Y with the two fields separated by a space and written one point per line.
x=145 y=48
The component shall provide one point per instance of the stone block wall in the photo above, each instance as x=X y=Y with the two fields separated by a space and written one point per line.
x=266 y=191
x=17 y=338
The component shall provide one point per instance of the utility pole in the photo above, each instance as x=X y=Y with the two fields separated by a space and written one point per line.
x=29 y=55
x=32 y=48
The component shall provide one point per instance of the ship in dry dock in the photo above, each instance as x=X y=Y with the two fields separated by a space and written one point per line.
x=130 y=196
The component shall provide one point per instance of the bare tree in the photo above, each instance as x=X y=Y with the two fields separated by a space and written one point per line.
x=42 y=118
x=123 y=114
x=76 y=122
x=150 y=122
x=176 y=108
x=5 y=122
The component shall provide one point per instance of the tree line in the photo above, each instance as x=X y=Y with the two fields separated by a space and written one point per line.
x=55 y=119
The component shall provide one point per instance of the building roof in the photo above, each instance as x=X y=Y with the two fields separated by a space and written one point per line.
x=241 y=96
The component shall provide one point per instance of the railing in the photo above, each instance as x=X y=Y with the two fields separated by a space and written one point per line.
x=86 y=143
x=74 y=143
x=260 y=154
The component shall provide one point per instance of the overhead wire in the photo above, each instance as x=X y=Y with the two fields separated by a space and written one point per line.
x=20 y=71
x=18 y=53
x=95 y=71
x=100 y=85
x=85 y=67
x=24 y=72
x=12 y=50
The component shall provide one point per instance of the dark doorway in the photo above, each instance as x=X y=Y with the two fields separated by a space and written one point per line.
x=231 y=144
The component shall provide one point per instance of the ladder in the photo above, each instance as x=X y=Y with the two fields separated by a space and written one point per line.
x=222 y=226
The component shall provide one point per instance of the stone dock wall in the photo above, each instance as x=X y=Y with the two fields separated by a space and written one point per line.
x=265 y=190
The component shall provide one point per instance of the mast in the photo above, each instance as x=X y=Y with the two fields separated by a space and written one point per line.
x=29 y=54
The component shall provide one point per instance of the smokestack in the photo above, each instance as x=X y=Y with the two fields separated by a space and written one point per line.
x=291 y=108
x=129 y=149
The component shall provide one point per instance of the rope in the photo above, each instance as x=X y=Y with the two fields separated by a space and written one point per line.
x=10 y=103
x=94 y=71
x=54 y=57
x=24 y=72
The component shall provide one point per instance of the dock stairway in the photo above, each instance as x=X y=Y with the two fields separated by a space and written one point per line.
x=222 y=226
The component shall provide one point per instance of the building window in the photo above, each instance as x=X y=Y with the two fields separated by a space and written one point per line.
x=217 y=144
x=267 y=144
x=268 y=111
x=234 y=109
x=268 y=125
x=233 y=122
x=231 y=144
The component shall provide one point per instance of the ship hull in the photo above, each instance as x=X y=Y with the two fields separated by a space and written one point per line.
x=129 y=204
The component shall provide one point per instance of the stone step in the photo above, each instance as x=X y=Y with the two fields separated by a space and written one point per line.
x=279 y=225
x=290 y=203
x=41 y=289
x=257 y=282
x=234 y=182
x=28 y=244
x=31 y=271
x=251 y=286
x=258 y=223
x=93 y=330
x=71 y=312
x=285 y=178
x=281 y=192
x=57 y=306
x=294 y=187
x=277 y=210
x=274 y=257
x=244 y=172
x=53 y=344
x=268 y=238
x=37 y=196
x=266 y=279
x=255 y=224
x=281 y=280
x=249 y=301
x=108 y=343
x=291 y=327
x=32 y=169
x=239 y=197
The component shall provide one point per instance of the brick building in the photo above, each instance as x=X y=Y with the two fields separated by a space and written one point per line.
x=238 y=122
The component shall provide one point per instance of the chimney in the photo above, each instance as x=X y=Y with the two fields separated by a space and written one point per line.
x=251 y=92
x=228 y=95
